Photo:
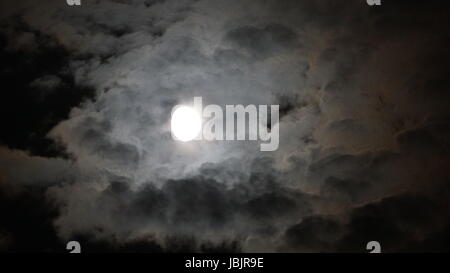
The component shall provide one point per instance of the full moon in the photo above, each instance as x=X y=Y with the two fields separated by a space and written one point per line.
x=186 y=123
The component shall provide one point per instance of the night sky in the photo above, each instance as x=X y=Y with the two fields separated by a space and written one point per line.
x=86 y=152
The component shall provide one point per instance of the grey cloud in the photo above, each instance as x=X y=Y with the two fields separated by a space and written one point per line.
x=263 y=42
x=199 y=208
x=19 y=169
x=47 y=82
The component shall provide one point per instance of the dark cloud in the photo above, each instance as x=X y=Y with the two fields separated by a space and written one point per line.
x=313 y=233
x=26 y=221
x=403 y=222
x=205 y=211
x=40 y=92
